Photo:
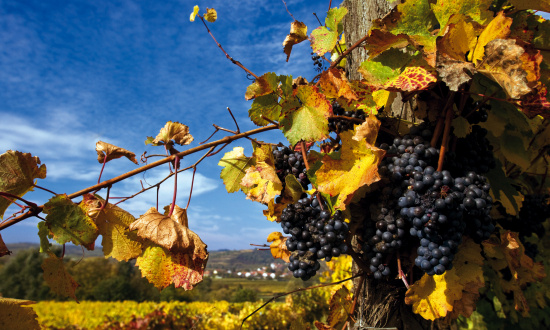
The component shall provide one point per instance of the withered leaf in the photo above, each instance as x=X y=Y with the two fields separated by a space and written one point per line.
x=298 y=33
x=169 y=233
x=110 y=151
x=174 y=131
x=454 y=72
x=3 y=248
x=278 y=246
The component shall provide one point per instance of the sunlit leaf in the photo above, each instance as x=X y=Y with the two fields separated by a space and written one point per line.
x=379 y=41
x=339 y=308
x=174 y=131
x=110 y=151
x=309 y=121
x=324 y=40
x=335 y=84
x=234 y=165
x=291 y=194
x=211 y=15
x=262 y=182
x=478 y=10
x=357 y=166
x=459 y=37
x=57 y=277
x=298 y=33
x=19 y=170
x=278 y=246
x=368 y=130
x=499 y=28
x=265 y=84
x=15 y=314
x=44 y=235
x=265 y=106
x=194 y=13
x=68 y=222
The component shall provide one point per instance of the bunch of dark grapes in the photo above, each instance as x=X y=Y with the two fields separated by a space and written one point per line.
x=480 y=115
x=531 y=250
x=315 y=234
x=317 y=62
x=384 y=233
x=474 y=153
x=290 y=162
x=341 y=125
x=533 y=214
x=477 y=205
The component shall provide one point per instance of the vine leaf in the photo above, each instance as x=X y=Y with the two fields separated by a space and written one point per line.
x=68 y=222
x=502 y=64
x=278 y=246
x=3 y=248
x=309 y=121
x=262 y=183
x=468 y=263
x=502 y=189
x=334 y=84
x=19 y=170
x=394 y=70
x=499 y=28
x=234 y=164
x=265 y=84
x=298 y=33
x=461 y=127
x=44 y=235
x=324 y=40
x=369 y=99
x=170 y=232
x=535 y=5
x=339 y=308
x=291 y=194
x=379 y=41
x=172 y=131
x=475 y=9
x=110 y=151
x=162 y=267
x=368 y=130
x=265 y=106
x=112 y=223
x=211 y=15
x=299 y=324
x=432 y=296
x=263 y=153
x=15 y=314
x=356 y=167
x=535 y=103
x=453 y=72
x=57 y=277
x=322 y=326
x=194 y=13
x=459 y=37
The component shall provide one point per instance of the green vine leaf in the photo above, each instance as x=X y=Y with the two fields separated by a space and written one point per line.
x=234 y=165
x=57 y=277
x=266 y=84
x=324 y=40
x=478 y=10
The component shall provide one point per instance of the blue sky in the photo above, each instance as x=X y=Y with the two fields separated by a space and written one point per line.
x=75 y=72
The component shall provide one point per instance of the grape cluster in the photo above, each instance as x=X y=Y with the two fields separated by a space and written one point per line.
x=315 y=235
x=480 y=115
x=290 y=162
x=533 y=214
x=317 y=61
x=474 y=153
x=531 y=250
x=341 y=125
x=477 y=205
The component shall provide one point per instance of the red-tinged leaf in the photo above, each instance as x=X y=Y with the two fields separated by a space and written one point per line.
x=265 y=84
x=309 y=122
x=334 y=84
x=323 y=40
x=379 y=41
x=413 y=79
x=535 y=103
x=298 y=33
x=109 y=151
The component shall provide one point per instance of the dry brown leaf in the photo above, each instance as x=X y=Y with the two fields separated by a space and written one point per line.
x=110 y=151
x=169 y=233
x=298 y=33
x=502 y=63
x=174 y=131
x=3 y=248
x=453 y=72
x=322 y=326
x=299 y=81
x=278 y=246
x=368 y=130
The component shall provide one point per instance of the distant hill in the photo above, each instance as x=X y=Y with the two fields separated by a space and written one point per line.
x=222 y=259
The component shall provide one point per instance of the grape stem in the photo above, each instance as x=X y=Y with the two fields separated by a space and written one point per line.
x=304 y=156
x=102 y=167
x=402 y=275
x=446 y=135
x=298 y=290
x=288 y=10
x=191 y=191
x=441 y=120
x=104 y=184
x=44 y=189
x=6 y=195
x=176 y=188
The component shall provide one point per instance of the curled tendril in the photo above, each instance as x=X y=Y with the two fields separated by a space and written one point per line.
x=250 y=77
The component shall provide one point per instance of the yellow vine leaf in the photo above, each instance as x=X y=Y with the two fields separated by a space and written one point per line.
x=3 y=248
x=57 y=277
x=477 y=10
x=334 y=84
x=432 y=296
x=265 y=84
x=109 y=151
x=368 y=130
x=298 y=33
x=468 y=263
x=542 y=5
x=234 y=164
x=299 y=324
x=263 y=153
x=117 y=241
x=291 y=194
x=339 y=308
x=341 y=269
x=357 y=166
x=162 y=267
x=499 y=28
x=459 y=37
x=194 y=13
x=170 y=232
x=19 y=170
x=173 y=131
x=502 y=63
x=278 y=246
x=262 y=183
x=211 y=15
x=16 y=314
